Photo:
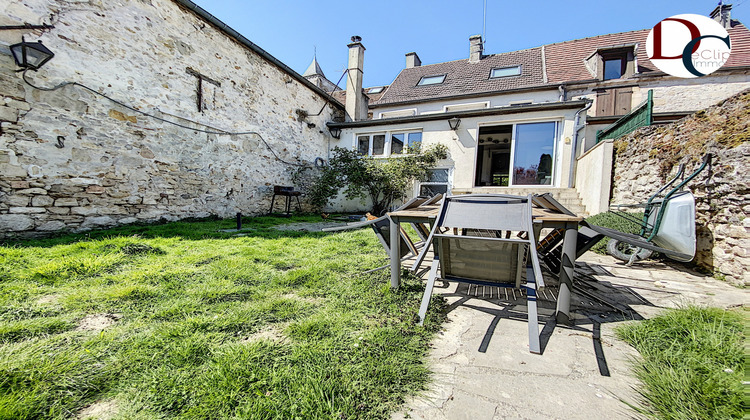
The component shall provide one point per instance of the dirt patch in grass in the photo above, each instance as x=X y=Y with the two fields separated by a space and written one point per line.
x=308 y=227
x=141 y=249
x=102 y=410
x=306 y=299
x=270 y=333
x=97 y=322
x=48 y=299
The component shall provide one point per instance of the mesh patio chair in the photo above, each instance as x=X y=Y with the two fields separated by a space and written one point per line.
x=488 y=260
x=485 y=232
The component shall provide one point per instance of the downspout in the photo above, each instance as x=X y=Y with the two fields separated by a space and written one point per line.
x=576 y=130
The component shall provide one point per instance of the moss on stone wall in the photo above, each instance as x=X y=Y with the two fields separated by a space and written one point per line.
x=646 y=158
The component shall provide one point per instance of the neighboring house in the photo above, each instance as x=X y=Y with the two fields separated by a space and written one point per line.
x=315 y=75
x=525 y=118
x=74 y=160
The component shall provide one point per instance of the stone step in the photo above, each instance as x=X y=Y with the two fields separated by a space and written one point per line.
x=568 y=197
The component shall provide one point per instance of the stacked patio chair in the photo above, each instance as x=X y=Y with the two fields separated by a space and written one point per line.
x=423 y=231
x=550 y=247
x=382 y=228
x=464 y=253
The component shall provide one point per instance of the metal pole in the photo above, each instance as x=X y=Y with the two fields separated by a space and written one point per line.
x=239 y=221
x=395 y=253
x=567 y=272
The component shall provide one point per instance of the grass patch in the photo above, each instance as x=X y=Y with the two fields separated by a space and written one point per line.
x=612 y=221
x=691 y=364
x=272 y=324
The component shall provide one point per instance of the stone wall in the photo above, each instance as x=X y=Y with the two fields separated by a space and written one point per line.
x=647 y=157
x=73 y=160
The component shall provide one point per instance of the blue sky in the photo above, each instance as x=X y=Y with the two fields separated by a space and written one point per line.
x=436 y=30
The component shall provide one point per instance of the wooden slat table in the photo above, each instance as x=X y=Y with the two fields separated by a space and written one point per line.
x=548 y=218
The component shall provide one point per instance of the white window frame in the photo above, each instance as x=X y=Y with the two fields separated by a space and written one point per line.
x=519 y=67
x=559 y=122
x=448 y=184
x=466 y=107
x=370 y=143
x=388 y=143
x=434 y=76
x=406 y=133
x=398 y=113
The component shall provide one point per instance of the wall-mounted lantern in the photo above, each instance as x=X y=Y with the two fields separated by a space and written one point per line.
x=454 y=123
x=31 y=55
x=335 y=132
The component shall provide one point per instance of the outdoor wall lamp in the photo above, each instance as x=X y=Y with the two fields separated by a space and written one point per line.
x=30 y=55
x=335 y=132
x=454 y=123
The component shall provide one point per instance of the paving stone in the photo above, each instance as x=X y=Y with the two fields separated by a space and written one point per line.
x=502 y=380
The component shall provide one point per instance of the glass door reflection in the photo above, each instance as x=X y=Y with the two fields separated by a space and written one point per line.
x=533 y=154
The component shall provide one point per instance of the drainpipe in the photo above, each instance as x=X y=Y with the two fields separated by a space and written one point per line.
x=576 y=130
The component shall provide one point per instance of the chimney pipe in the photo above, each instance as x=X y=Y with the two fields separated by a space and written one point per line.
x=356 y=102
x=476 y=48
x=723 y=14
x=412 y=60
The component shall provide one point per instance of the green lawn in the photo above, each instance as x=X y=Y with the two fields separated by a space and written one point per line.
x=692 y=363
x=207 y=324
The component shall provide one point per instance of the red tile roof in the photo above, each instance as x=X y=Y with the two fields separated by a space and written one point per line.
x=740 y=37
x=565 y=60
x=564 y=63
x=463 y=77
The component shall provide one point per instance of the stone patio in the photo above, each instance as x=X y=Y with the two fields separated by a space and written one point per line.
x=483 y=369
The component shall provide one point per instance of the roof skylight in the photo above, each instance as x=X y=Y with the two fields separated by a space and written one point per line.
x=376 y=89
x=431 y=80
x=505 y=72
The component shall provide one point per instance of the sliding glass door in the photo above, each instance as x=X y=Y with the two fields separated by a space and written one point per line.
x=534 y=153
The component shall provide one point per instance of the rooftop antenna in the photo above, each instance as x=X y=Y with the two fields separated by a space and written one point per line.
x=484 y=23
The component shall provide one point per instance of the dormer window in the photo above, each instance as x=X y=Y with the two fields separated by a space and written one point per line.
x=613 y=62
x=613 y=68
x=431 y=80
x=505 y=72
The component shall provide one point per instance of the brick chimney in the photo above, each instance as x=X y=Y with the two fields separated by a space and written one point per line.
x=476 y=48
x=412 y=60
x=723 y=14
x=356 y=101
